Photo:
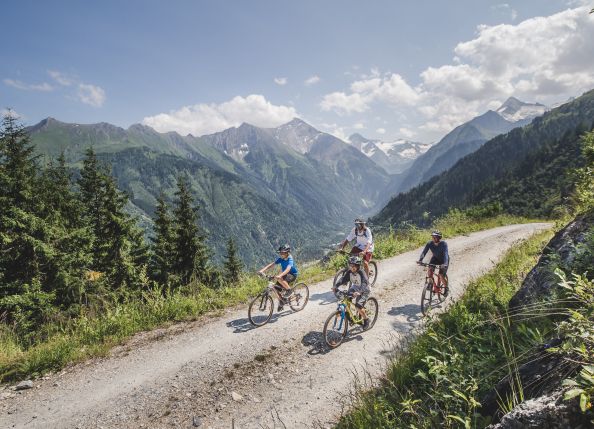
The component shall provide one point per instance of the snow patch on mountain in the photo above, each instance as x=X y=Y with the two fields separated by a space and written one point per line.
x=514 y=110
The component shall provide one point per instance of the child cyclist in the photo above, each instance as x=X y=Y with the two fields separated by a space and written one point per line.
x=359 y=287
x=287 y=275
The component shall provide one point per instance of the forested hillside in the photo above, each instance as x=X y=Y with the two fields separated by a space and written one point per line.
x=527 y=171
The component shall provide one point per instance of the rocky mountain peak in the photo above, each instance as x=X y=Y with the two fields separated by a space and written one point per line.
x=514 y=110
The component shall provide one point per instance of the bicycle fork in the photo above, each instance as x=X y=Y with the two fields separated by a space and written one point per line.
x=342 y=309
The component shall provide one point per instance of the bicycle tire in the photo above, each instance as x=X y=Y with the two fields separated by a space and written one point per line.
x=299 y=298
x=260 y=309
x=372 y=273
x=373 y=308
x=426 y=298
x=332 y=336
x=338 y=275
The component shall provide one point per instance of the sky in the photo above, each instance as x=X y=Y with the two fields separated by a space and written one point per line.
x=386 y=69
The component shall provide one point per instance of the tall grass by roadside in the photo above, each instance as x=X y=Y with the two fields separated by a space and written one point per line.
x=95 y=332
x=437 y=379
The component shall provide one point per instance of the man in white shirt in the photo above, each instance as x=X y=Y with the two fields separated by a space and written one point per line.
x=364 y=242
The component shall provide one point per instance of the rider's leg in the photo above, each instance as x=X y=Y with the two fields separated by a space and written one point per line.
x=366 y=266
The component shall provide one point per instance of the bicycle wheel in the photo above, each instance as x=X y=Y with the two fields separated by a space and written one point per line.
x=260 y=310
x=299 y=297
x=427 y=298
x=372 y=310
x=337 y=277
x=335 y=329
x=372 y=273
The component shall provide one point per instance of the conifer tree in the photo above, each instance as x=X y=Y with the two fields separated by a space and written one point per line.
x=163 y=257
x=191 y=256
x=233 y=265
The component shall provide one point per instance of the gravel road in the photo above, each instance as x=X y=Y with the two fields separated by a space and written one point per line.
x=222 y=373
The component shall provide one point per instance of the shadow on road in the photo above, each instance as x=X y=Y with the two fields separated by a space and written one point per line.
x=325 y=298
x=243 y=325
x=412 y=312
x=315 y=341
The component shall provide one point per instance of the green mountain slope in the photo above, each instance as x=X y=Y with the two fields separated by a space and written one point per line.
x=526 y=170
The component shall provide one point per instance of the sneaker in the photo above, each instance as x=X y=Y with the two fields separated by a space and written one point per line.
x=445 y=291
x=280 y=306
x=288 y=294
x=365 y=324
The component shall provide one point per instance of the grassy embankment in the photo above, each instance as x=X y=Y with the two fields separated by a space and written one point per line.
x=439 y=377
x=95 y=333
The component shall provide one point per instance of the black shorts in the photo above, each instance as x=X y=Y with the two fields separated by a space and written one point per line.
x=289 y=278
x=435 y=261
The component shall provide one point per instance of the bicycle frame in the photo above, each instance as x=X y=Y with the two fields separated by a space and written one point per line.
x=431 y=278
x=345 y=306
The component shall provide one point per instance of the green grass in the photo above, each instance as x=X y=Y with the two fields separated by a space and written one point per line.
x=60 y=343
x=438 y=378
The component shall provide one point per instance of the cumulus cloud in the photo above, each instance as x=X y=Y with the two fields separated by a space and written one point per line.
x=280 y=80
x=91 y=94
x=544 y=59
x=359 y=126
x=406 y=132
x=312 y=80
x=200 y=119
x=43 y=87
x=381 y=131
x=506 y=8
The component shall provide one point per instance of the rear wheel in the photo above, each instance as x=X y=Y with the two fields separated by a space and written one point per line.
x=337 y=277
x=372 y=311
x=260 y=310
x=335 y=329
x=372 y=273
x=299 y=298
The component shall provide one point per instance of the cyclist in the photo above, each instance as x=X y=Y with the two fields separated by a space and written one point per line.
x=359 y=287
x=363 y=244
x=440 y=256
x=287 y=275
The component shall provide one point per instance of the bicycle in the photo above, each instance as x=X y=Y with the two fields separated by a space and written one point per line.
x=371 y=278
x=262 y=306
x=336 y=326
x=434 y=293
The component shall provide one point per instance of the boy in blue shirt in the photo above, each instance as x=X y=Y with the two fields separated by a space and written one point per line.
x=288 y=272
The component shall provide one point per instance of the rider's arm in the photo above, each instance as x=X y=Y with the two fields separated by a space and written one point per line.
x=369 y=240
x=424 y=252
x=364 y=281
x=348 y=238
x=344 y=279
x=267 y=267
x=446 y=258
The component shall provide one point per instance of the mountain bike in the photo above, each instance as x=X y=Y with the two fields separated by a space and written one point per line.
x=434 y=293
x=336 y=326
x=371 y=279
x=262 y=306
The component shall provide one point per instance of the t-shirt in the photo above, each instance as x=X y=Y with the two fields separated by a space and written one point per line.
x=284 y=263
x=363 y=237
x=358 y=280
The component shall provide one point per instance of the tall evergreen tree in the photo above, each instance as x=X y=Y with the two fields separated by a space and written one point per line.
x=191 y=255
x=233 y=265
x=163 y=257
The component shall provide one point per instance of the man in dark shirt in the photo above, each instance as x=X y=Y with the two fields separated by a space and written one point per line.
x=440 y=256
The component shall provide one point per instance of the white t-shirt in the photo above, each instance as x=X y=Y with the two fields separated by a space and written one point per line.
x=363 y=238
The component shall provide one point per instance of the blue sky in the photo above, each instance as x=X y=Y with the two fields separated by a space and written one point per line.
x=385 y=69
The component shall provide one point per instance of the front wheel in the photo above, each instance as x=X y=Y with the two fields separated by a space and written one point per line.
x=427 y=298
x=260 y=310
x=372 y=273
x=335 y=329
x=372 y=311
x=299 y=297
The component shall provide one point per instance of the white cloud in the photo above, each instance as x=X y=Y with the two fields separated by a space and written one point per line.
x=359 y=126
x=91 y=94
x=280 y=80
x=408 y=133
x=60 y=77
x=201 y=119
x=381 y=131
x=312 y=80
x=44 y=87
x=506 y=8
x=544 y=59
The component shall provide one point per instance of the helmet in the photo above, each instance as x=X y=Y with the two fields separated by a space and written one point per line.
x=436 y=234
x=284 y=248
x=360 y=220
x=355 y=260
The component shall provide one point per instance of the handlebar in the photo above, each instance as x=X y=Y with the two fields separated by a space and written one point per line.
x=424 y=264
x=267 y=277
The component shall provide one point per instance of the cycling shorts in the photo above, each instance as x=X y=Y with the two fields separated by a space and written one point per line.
x=355 y=251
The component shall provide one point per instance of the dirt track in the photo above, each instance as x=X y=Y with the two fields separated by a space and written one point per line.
x=223 y=373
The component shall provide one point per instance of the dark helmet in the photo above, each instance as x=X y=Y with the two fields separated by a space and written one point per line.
x=360 y=221
x=284 y=248
x=355 y=260
x=436 y=234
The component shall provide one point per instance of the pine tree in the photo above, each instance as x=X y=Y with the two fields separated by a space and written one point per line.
x=191 y=255
x=162 y=258
x=233 y=265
